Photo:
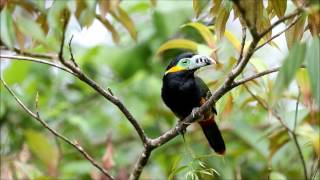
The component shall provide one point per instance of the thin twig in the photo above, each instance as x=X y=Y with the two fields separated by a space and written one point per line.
x=79 y=74
x=243 y=43
x=55 y=133
x=278 y=34
x=257 y=75
x=228 y=84
x=223 y=89
x=291 y=132
x=30 y=54
x=295 y=139
x=267 y=108
x=284 y=18
x=83 y=77
x=71 y=54
x=24 y=58
x=141 y=163
x=63 y=36
x=296 y=111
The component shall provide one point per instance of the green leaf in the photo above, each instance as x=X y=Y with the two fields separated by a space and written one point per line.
x=176 y=162
x=7 y=31
x=30 y=28
x=87 y=17
x=313 y=67
x=125 y=20
x=109 y=26
x=42 y=148
x=176 y=171
x=311 y=134
x=198 y=6
x=55 y=24
x=303 y=81
x=204 y=31
x=279 y=6
x=294 y=34
x=222 y=18
x=178 y=44
x=276 y=140
x=288 y=70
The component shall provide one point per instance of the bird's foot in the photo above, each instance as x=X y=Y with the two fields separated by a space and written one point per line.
x=195 y=113
x=208 y=95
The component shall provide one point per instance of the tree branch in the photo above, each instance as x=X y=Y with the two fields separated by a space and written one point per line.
x=23 y=58
x=83 y=77
x=141 y=163
x=255 y=76
x=278 y=34
x=228 y=84
x=223 y=89
x=295 y=140
x=30 y=54
x=258 y=75
x=243 y=43
x=290 y=131
x=75 y=144
x=284 y=18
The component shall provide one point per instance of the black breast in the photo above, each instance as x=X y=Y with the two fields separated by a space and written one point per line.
x=181 y=93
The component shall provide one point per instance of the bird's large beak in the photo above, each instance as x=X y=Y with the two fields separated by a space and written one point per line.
x=198 y=61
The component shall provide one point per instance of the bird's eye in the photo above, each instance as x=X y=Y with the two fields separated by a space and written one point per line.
x=184 y=61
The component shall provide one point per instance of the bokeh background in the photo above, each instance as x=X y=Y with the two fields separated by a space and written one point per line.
x=257 y=145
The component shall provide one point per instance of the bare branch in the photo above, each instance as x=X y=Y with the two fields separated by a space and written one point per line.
x=71 y=54
x=228 y=84
x=63 y=36
x=258 y=75
x=78 y=73
x=267 y=108
x=223 y=89
x=284 y=18
x=30 y=54
x=140 y=164
x=23 y=58
x=291 y=132
x=255 y=76
x=55 y=133
x=83 y=77
x=243 y=42
x=278 y=34
x=295 y=140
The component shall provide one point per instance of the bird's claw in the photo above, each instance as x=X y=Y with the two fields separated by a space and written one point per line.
x=208 y=95
x=195 y=113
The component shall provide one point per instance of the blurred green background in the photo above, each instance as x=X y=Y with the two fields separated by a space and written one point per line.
x=257 y=146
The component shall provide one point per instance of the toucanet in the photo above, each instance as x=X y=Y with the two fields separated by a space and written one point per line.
x=183 y=91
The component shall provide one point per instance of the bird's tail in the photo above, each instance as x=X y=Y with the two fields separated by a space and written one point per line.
x=213 y=135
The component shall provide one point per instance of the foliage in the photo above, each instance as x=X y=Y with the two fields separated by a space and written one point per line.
x=144 y=36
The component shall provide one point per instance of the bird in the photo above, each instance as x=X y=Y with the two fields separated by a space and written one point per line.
x=183 y=92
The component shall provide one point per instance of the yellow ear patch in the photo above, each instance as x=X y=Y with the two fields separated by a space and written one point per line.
x=174 y=69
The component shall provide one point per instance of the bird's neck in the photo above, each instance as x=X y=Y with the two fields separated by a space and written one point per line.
x=179 y=79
